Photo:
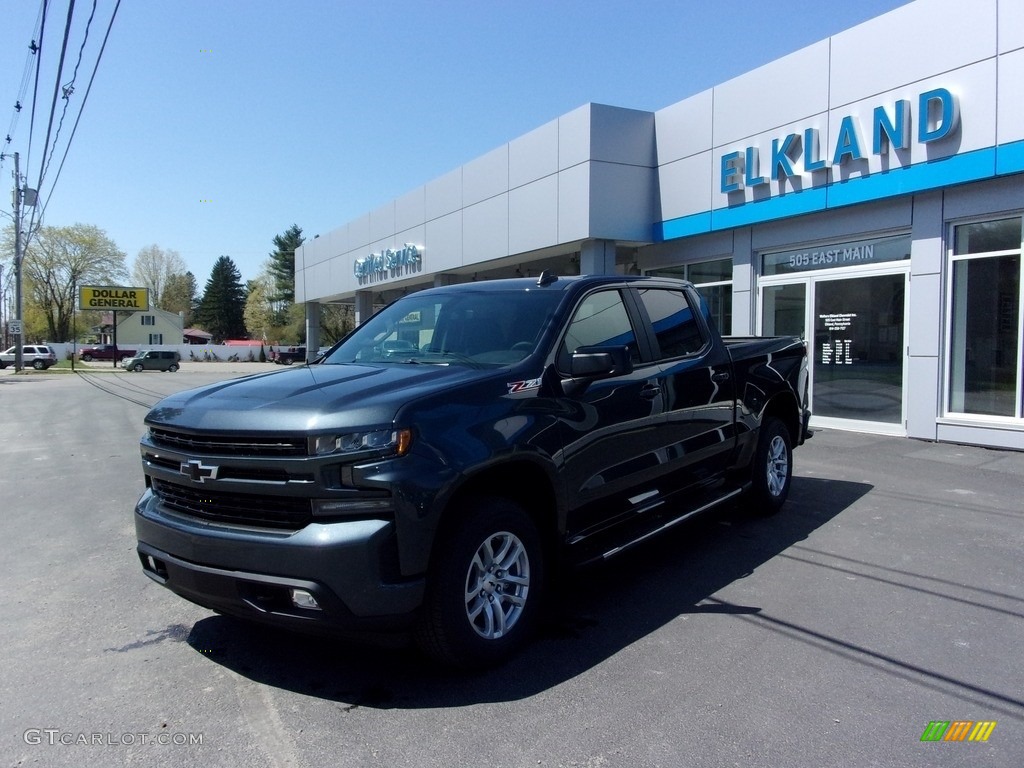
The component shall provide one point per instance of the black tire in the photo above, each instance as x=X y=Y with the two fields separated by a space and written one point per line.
x=485 y=587
x=39 y=365
x=86 y=358
x=772 y=468
x=173 y=367
x=138 y=368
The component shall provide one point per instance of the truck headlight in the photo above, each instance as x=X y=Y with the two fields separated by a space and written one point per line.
x=395 y=441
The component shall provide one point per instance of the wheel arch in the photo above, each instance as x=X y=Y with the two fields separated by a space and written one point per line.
x=525 y=482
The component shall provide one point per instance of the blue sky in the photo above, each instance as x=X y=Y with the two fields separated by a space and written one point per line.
x=214 y=125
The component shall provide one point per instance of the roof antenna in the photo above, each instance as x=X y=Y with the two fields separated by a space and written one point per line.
x=546 y=278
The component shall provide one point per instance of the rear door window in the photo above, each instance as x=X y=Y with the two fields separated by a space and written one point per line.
x=675 y=323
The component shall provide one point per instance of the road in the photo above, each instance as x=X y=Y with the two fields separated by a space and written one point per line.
x=887 y=594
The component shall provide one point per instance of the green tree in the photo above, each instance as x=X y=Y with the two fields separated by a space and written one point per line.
x=60 y=259
x=222 y=306
x=153 y=269
x=179 y=295
x=281 y=267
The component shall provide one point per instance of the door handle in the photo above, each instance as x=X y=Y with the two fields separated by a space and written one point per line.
x=649 y=392
x=720 y=376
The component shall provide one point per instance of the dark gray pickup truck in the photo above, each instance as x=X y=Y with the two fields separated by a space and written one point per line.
x=435 y=469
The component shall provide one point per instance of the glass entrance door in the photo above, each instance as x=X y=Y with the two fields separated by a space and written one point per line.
x=859 y=348
x=857 y=343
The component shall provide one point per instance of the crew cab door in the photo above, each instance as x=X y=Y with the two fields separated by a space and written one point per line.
x=696 y=379
x=610 y=430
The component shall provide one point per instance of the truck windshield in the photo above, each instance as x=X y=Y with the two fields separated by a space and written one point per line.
x=476 y=328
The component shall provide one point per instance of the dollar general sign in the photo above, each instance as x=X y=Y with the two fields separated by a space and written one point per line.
x=113 y=297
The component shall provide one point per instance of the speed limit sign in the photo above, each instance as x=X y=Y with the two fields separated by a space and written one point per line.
x=14 y=326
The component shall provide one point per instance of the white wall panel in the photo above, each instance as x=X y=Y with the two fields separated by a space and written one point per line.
x=442 y=243
x=574 y=203
x=622 y=136
x=533 y=156
x=685 y=128
x=910 y=43
x=622 y=202
x=382 y=221
x=359 y=232
x=686 y=186
x=486 y=176
x=1011 y=96
x=574 y=137
x=444 y=195
x=788 y=89
x=1011 y=25
x=922 y=397
x=533 y=215
x=485 y=230
x=410 y=209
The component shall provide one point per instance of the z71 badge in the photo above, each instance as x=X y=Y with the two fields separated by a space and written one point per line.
x=522 y=386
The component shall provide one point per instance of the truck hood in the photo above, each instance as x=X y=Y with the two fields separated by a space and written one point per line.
x=309 y=399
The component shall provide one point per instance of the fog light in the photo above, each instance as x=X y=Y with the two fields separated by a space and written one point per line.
x=303 y=599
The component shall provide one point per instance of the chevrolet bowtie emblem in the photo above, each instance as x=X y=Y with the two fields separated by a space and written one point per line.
x=198 y=472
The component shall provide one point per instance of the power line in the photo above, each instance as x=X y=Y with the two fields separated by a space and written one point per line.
x=67 y=90
x=31 y=61
x=81 y=109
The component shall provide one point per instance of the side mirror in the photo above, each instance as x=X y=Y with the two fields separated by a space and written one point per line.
x=589 y=364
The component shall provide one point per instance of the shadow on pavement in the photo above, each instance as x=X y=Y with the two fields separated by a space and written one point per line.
x=604 y=608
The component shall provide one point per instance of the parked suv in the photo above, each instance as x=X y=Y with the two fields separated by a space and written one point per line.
x=39 y=356
x=152 y=360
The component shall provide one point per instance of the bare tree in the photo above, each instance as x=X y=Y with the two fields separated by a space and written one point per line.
x=153 y=268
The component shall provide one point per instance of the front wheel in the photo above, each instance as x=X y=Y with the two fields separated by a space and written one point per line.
x=172 y=367
x=485 y=587
x=137 y=368
x=773 y=468
x=86 y=358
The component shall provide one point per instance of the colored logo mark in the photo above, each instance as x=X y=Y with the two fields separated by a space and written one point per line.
x=958 y=730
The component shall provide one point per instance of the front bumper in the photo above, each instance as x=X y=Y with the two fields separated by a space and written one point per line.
x=348 y=567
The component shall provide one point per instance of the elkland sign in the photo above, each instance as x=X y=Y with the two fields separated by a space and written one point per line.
x=938 y=116
x=113 y=297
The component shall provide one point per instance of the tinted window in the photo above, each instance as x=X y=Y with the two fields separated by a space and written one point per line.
x=675 y=323
x=600 y=320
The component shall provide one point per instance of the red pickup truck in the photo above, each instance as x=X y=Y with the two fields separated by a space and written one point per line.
x=104 y=352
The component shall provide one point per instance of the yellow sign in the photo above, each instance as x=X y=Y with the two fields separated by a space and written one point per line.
x=113 y=297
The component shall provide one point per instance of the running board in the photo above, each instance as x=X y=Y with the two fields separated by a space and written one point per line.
x=661 y=529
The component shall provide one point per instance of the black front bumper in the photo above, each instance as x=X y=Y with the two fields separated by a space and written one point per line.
x=250 y=573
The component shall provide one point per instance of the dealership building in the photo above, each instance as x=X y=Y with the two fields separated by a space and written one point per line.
x=865 y=192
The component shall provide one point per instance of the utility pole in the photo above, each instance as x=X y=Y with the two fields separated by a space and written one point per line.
x=19 y=330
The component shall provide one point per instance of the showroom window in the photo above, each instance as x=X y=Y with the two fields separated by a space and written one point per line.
x=985 y=319
x=714 y=281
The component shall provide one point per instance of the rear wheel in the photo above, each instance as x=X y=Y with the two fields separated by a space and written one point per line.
x=39 y=365
x=87 y=358
x=773 y=468
x=485 y=586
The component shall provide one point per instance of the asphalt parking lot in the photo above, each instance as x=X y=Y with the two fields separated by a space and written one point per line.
x=886 y=595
